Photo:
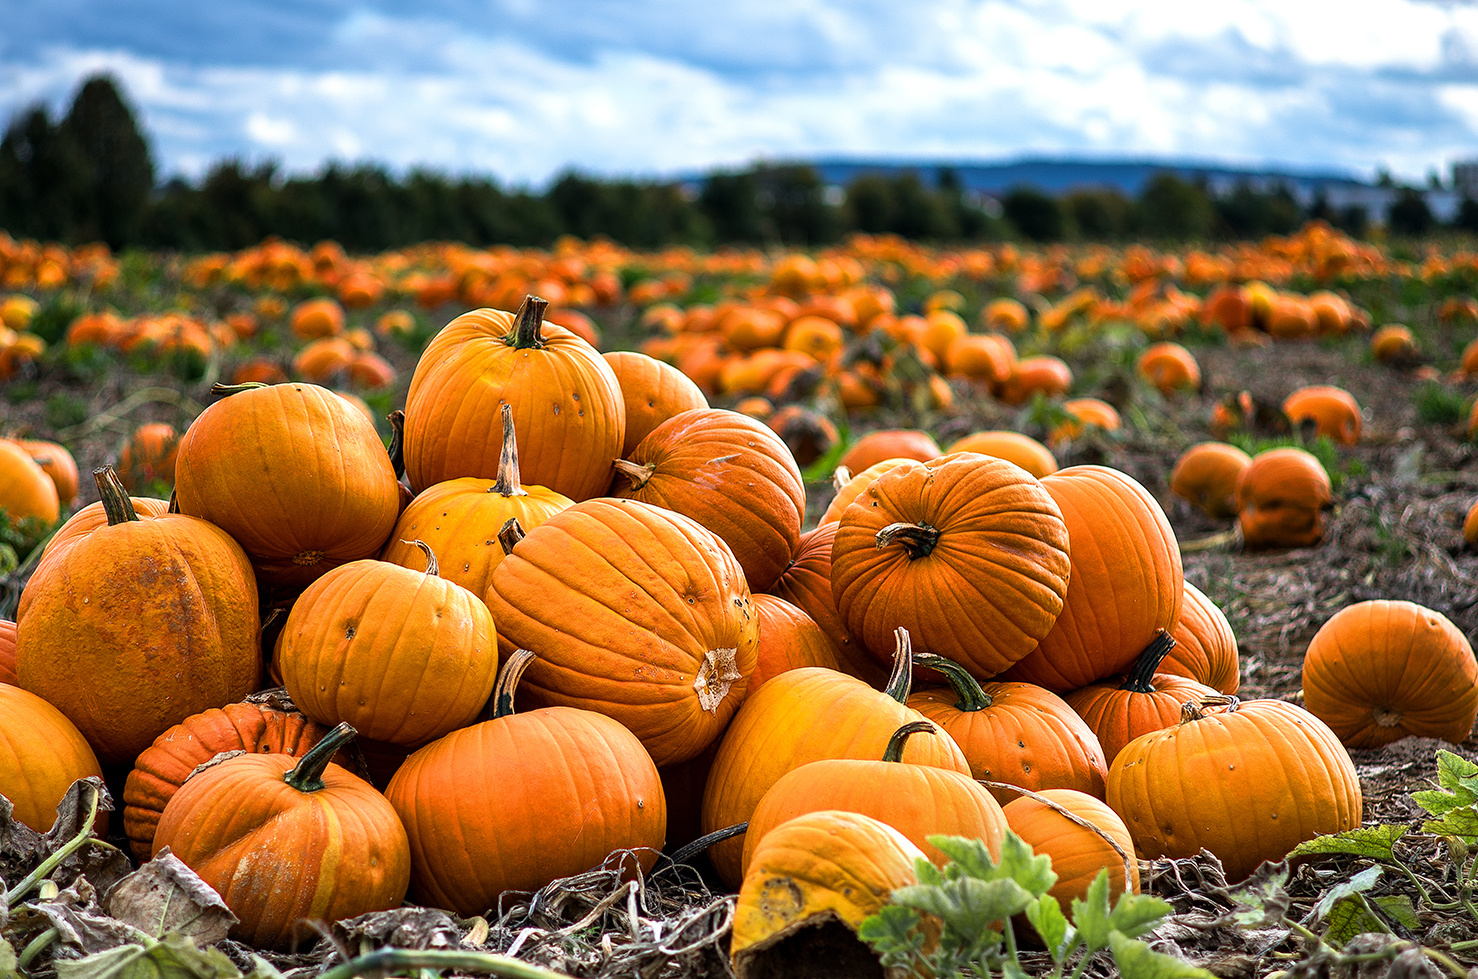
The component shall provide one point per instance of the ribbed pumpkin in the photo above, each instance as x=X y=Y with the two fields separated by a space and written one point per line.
x=1268 y=776
x=1206 y=476
x=460 y=519
x=1205 y=646
x=169 y=630
x=41 y=755
x=1018 y=733
x=522 y=799
x=1281 y=499
x=817 y=868
x=893 y=443
x=1078 y=853
x=730 y=473
x=1023 y=450
x=652 y=391
x=163 y=767
x=1379 y=671
x=285 y=839
x=806 y=584
x=7 y=653
x=568 y=406
x=636 y=612
x=1168 y=367
x=802 y=716
x=849 y=487
x=917 y=800
x=89 y=519
x=1146 y=700
x=1127 y=582
x=969 y=553
x=295 y=474
x=788 y=640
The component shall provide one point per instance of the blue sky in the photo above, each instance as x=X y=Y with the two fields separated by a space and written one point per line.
x=522 y=89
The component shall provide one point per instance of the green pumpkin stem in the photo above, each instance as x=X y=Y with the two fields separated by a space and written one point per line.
x=1142 y=674
x=432 y=568
x=638 y=474
x=918 y=539
x=307 y=774
x=226 y=390
x=901 y=679
x=502 y=702
x=894 y=751
x=510 y=534
x=397 y=442
x=528 y=325
x=116 y=503
x=965 y=686
x=508 y=482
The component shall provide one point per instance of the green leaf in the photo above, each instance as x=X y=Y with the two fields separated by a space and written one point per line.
x=1375 y=842
x=1047 y=918
x=173 y=957
x=1460 y=822
x=969 y=857
x=968 y=905
x=1091 y=913
x=1136 y=960
x=1135 y=914
x=1457 y=775
x=1398 y=908
x=1358 y=884
x=893 y=933
x=1264 y=900
x=927 y=873
x=1350 y=917
x=1019 y=863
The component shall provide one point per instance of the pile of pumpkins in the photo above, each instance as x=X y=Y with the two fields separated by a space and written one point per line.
x=583 y=534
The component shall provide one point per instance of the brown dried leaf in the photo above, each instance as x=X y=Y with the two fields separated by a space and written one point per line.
x=164 y=895
x=22 y=848
x=410 y=927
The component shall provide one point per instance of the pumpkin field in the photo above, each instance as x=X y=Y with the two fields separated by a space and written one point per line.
x=890 y=609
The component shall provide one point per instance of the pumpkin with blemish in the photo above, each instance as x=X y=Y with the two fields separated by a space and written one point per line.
x=652 y=391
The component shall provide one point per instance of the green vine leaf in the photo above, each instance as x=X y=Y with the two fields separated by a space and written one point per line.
x=1263 y=901
x=1136 y=960
x=1051 y=924
x=1399 y=908
x=1375 y=842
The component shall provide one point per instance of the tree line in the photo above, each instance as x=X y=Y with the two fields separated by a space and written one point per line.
x=90 y=176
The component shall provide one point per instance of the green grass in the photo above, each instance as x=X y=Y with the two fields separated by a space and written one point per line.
x=1438 y=404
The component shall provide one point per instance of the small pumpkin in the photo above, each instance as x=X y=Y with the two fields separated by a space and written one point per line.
x=1281 y=499
x=1085 y=414
x=1206 y=477
x=25 y=489
x=652 y=391
x=41 y=755
x=1023 y=450
x=149 y=456
x=1078 y=852
x=1168 y=367
x=874 y=447
x=56 y=462
x=1330 y=410
x=788 y=640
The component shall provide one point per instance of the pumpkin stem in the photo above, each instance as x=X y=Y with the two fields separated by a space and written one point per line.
x=966 y=687
x=432 y=568
x=397 y=442
x=307 y=774
x=174 y=501
x=685 y=853
x=528 y=325
x=1192 y=711
x=841 y=477
x=511 y=534
x=116 y=503
x=508 y=482
x=918 y=539
x=638 y=474
x=502 y=702
x=1142 y=674
x=894 y=751
x=901 y=679
x=226 y=390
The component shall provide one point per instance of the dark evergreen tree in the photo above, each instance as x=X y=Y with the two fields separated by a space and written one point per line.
x=1098 y=214
x=1467 y=215
x=1033 y=213
x=1409 y=214
x=118 y=169
x=43 y=179
x=1170 y=207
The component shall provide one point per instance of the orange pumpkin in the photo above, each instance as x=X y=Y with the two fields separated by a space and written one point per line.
x=652 y=391
x=7 y=653
x=1205 y=646
x=149 y=456
x=25 y=489
x=788 y=640
x=1045 y=375
x=1281 y=499
x=1023 y=450
x=1331 y=410
x=1084 y=413
x=1206 y=477
x=850 y=487
x=57 y=463
x=1168 y=367
x=874 y=447
x=1078 y=853
x=806 y=584
x=41 y=755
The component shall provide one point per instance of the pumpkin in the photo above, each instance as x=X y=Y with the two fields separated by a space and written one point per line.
x=460 y=518
x=85 y=521
x=285 y=839
x=1205 y=646
x=814 y=870
x=652 y=392
x=1206 y=477
x=1393 y=343
x=403 y=656
x=636 y=612
x=1017 y=733
x=986 y=357
x=1331 y=410
x=1078 y=852
x=1049 y=376
x=731 y=474
x=1145 y=701
x=170 y=630
x=7 y=653
x=874 y=447
x=801 y=716
x=149 y=456
x=1281 y=499
x=1126 y=585
x=568 y=406
x=162 y=767
x=1083 y=414
x=806 y=584
x=808 y=434
x=788 y=640
x=1379 y=671
x=849 y=487
x=57 y=463
x=1269 y=775
x=1470 y=526
x=522 y=799
x=41 y=755
x=1005 y=314
x=25 y=489
x=1168 y=367
x=317 y=318
x=969 y=553
x=1023 y=450
x=295 y=474
x=916 y=800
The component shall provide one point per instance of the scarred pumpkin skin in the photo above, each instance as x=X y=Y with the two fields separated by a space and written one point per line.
x=1127 y=581
x=41 y=755
x=163 y=767
x=1379 y=671
x=294 y=474
x=730 y=473
x=968 y=553
x=1078 y=854
x=788 y=640
x=652 y=391
x=806 y=584
x=1269 y=775
x=635 y=612
x=1205 y=646
x=278 y=853
x=567 y=404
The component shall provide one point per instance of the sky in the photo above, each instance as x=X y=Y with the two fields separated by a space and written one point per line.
x=523 y=90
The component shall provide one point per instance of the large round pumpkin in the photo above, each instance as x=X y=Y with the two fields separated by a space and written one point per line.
x=41 y=755
x=652 y=391
x=968 y=553
x=636 y=612
x=568 y=406
x=730 y=473
x=1379 y=671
